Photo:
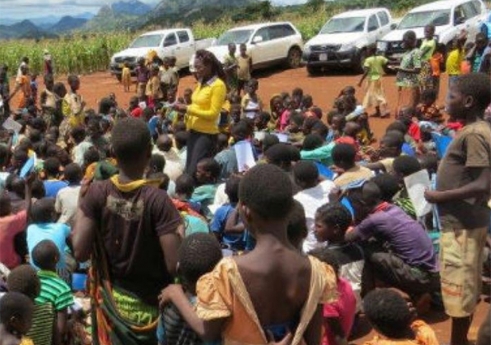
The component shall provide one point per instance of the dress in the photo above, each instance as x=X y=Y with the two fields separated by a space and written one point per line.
x=408 y=83
x=426 y=74
x=375 y=95
x=222 y=294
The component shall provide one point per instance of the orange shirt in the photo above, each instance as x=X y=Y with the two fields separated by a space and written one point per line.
x=25 y=88
x=436 y=61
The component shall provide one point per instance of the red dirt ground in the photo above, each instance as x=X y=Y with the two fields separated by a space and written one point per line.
x=323 y=89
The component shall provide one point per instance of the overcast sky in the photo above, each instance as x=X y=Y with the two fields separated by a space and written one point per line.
x=20 y=9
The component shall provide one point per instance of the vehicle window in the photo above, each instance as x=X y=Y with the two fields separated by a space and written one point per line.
x=372 y=23
x=147 y=41
x=234 y=36
x=264 y=33
x=183 y=36
x=421 y=19
x=458 y=15
x=348 y=24
x=170 y=40
x=469 y=10
x=477 y=6
x=280 y=31
x=384 y=18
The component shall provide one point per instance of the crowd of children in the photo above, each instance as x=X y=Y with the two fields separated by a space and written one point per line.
x=318 y=229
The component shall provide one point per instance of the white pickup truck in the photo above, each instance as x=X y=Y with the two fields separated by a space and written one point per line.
x=449 y=17
x=179 y=43
x=343 y=40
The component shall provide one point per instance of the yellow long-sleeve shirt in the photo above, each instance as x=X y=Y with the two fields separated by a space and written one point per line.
x=207 y=102
x=454 y=61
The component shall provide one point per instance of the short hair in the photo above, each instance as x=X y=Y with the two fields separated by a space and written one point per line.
x=5 y=205
x=212 y=166
x=181 y=138
x=105 y=105
x=44 y=254
x=320 y=128
x=406 y=165
x=393 y=139
x=388 y=312
x=4 y=152
x=475 y=85
x=198 y=254
x=306 y=172
x=297 y=229
x=326 y=256
x=185 y=184
x=297 y=92
x=344 y=153
x=429 y=162
x=309 y=123
x=24 y=279
x=269 y=141
x=157 y=163
x=130 y=138
x=232 y=188
x=429 y=94
x=72 y=78
x=42 y=210
x=91 y=156
x=297 y=119
x=73 y=173
x=388 y=185
x=371 y=193
x=265 y=116
x=268 y=191
x=397 y=126
x=241 y=130
x=15 y=305
x=52 y=166
x=279 y=154
x=312 y=141
x=410 y=34
x=335 y=214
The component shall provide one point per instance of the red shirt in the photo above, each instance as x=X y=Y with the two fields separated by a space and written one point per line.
x=137 y=112
x=414 y=131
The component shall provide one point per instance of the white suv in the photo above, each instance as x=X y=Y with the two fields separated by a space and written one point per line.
x=267 y=44
x=343 y=40
x=449 y=17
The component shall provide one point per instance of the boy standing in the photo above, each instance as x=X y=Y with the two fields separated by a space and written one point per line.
x=244 y=63
x=133 y=227
x=463 y=190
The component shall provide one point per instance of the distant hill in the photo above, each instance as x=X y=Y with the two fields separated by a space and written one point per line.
x=24 y=29
x=131 y=7
x=67 y=24
x=107 y=20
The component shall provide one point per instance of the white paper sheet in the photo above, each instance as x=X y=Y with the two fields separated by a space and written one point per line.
x=245 y=157
x=283 y=137
x=416 y=184
x=9 y=123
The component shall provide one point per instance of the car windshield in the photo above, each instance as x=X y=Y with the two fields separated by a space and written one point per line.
x=421 y=19
x=235 y=36
x=147 y=41
x=349 y=24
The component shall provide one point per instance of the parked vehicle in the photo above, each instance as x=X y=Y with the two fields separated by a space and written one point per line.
x=343 y=40
x=486 y=26
x=449 y=17
x=267 y=44
x=179 y=43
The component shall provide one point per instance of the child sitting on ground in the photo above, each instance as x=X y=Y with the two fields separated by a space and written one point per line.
x=226 y=223
x=207 y=174
x=331 y=223
x=428 y=113
x=45 y=227
x=198 y=255
x=394 y=322
x=15 y=318
x=54 y=290
x=279 y=290
x=339 y=316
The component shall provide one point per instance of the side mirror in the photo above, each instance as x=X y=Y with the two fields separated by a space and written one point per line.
x=393 y=26
x=257 y=39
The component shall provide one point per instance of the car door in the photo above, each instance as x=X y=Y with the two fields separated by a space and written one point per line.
x=385 y=23
x=261 y=46
x=185 y=49
x=280 y=40
x=169 y=45
x=372 y=29
x=471 y=18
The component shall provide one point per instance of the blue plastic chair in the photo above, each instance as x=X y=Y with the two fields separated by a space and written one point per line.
x=441 y=143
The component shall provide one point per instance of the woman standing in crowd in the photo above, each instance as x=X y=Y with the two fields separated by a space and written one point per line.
x=203 y=113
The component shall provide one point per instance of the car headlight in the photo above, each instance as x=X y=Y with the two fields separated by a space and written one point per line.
x=381 y=46
x=347 y=46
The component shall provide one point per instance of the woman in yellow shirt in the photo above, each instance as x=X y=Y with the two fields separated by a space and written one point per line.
x=203 y=114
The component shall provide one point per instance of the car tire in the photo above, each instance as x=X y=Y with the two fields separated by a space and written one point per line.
x=360 y=61
x=294 y=57
x=313 y=71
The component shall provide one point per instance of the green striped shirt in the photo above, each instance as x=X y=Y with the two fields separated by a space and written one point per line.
x=54 y=291
x=43 y=318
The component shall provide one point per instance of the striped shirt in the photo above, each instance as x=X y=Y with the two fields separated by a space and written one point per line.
x=43 y=318
x=54 y=291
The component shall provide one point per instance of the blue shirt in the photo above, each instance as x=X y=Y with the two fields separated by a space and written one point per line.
x=52 y=187
x=56 y=232
x=236 y=240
